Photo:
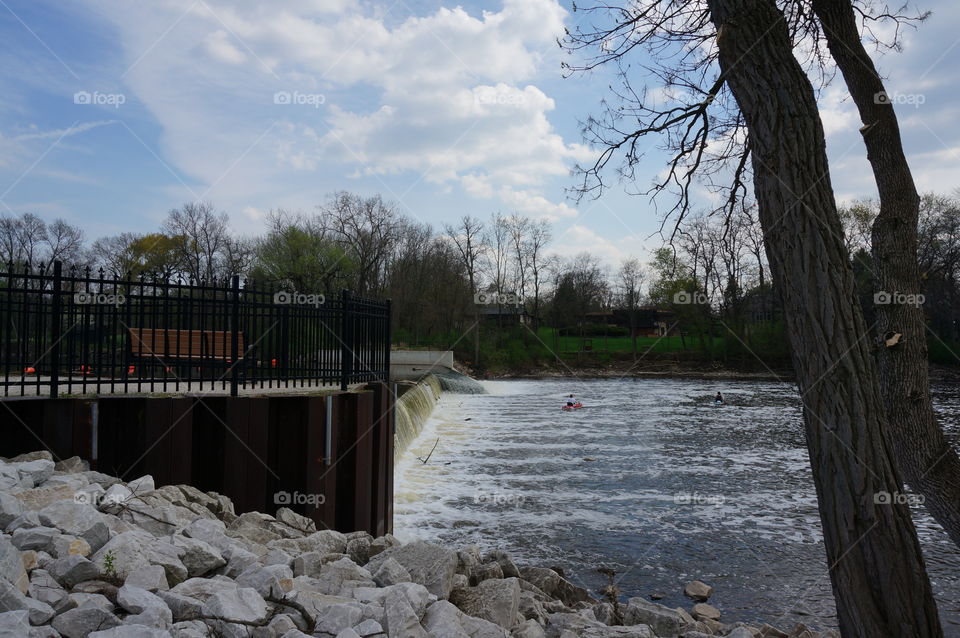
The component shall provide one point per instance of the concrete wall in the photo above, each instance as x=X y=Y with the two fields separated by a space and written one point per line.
x=408 y=365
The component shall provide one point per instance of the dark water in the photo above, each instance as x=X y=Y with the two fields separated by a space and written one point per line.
x=679 y=489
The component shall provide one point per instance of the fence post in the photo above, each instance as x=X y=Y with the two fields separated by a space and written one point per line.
x=346 y=340
x=56 y=327
x=235 y=337
x=386 y=344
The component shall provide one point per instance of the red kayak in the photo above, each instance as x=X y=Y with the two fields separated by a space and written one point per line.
x=575 y=406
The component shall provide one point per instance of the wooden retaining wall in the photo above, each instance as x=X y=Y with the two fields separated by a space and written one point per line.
x=328 y=457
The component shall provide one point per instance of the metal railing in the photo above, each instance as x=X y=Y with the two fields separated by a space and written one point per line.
x=78 y=332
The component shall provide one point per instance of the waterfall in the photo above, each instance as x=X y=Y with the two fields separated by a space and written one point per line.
x=458 y=383
x=412 y=411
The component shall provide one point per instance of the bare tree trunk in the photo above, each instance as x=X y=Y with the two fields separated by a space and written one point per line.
x=876 y=567
x=928 y=462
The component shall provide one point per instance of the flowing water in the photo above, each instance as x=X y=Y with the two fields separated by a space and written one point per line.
x=651 y=479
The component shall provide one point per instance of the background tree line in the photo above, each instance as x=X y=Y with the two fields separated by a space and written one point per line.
x=710 y=284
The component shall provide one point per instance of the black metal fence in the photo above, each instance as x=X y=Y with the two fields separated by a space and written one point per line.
x=77 y=332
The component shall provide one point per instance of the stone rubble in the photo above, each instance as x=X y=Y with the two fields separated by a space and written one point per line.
x=85 y=555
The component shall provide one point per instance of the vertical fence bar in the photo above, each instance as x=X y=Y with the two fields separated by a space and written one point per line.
x=346 y=340
x=235 y=336
x=55 y=330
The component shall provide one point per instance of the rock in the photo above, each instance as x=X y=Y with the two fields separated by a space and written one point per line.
x=740 y=632
x=132 y=631
x=563 y=625
x=346 y=633
x=766 y=631
x=152 y=578
x=332 y=614
x=358 y=549
x=72 y=517
x=12 y=599
x=296 y=521
x=72 y=570
x=273 y=581
x=703 y=611
x=663 y=620
x=495 y=600
x=82 y=601
x=34 y=473
x=72 y=465
x=430 y=565
x=65 y=545
x=528 y=629
x=401 y=619
x=480 y=573
x=34 y=538
x=32 y=456
x=15 y=624
x=243 y=604
x=10 y=509
x=506 y=564
x=45 y=589
x=80 y=623
x=571 y=594
x=391 y=572
x=545 y=579
x=198 y=556
x=698 y=591
x=342 y=575
x=183 y=608
x=369 y=627
x=97 y=536
x=382 y=544
x=135 y=550
x=442 y=620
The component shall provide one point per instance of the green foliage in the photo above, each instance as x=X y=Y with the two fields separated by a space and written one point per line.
x=303 y=260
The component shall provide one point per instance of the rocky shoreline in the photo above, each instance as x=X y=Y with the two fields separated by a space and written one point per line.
x=83 y=554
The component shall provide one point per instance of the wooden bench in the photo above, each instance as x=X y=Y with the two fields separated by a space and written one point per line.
x=184 y=345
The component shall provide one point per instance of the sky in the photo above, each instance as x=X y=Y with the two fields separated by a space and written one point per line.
x=115 y=112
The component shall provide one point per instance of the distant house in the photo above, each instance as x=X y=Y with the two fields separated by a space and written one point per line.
x=505 y=315
x=647 y=321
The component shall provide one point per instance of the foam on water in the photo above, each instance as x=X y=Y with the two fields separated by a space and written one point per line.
x=677 y=489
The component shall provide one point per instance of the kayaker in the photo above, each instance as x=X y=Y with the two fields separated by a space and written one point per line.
x=571 y=401
x=718 y=398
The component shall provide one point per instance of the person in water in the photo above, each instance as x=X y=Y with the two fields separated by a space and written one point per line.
x=571 y=401
x=718 y=398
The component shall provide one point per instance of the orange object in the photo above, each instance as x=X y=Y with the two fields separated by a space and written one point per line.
x=30 y=370
x=273 y=363
x=130 y=370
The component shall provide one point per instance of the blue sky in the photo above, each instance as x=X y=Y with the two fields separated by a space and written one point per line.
x=445 y=108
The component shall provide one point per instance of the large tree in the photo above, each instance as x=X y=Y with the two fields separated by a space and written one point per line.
x=876 y=566
x=928 y=461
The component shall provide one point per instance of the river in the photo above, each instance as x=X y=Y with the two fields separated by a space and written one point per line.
x=651 y=479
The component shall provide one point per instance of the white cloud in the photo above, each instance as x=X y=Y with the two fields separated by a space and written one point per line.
x=447 y=99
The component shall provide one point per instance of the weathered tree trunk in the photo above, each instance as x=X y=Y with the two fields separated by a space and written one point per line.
x=926 y=459
x=876 y=567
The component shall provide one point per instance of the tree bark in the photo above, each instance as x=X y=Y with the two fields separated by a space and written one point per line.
x=876 y=567
x=929 y=464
